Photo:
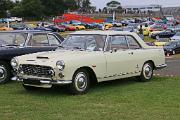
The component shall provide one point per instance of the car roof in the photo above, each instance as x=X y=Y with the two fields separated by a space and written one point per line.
x=99 y=32
x=26 y=31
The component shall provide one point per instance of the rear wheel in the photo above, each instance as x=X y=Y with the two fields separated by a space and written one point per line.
x=80 y=83
x=147 y=72
x=5 y=72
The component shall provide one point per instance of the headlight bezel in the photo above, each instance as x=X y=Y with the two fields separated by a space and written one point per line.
x=60 y=65
x=14 y=63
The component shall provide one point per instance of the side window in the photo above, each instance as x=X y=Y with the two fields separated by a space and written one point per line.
x=132 y=43
x=91 y=43
x=38 y=40
x=118 y=42
x=53 y=41
x=20 y=39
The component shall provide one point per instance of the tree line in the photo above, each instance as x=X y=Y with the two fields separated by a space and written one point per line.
x=38 y=9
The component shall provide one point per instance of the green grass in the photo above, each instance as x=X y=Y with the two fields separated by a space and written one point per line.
x=148 y=39
x=116 y=100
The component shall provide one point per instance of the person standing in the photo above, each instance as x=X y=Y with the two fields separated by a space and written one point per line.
x=141 y=35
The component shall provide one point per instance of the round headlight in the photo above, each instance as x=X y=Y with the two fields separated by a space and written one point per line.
x=14 y=62
x=60 y=65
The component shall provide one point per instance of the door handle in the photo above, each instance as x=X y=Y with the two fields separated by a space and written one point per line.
x=130 y=53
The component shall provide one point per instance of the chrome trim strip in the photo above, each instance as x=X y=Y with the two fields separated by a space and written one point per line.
x=50 y=82
x=161 y=66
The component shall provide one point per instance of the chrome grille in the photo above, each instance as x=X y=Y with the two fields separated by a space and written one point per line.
x=36 y=70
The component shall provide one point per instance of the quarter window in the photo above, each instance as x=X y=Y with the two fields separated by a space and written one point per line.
x=118 y=43
x=53 y=41
x=132 y=43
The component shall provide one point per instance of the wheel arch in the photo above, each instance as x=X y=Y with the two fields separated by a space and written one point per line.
x=92 y=75
x=152 y=62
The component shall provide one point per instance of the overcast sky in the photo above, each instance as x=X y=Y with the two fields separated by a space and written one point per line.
x=164 y=3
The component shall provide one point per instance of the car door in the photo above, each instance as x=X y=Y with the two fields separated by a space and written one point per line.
x=118 y=57
x=138 y=54
x=177 y=49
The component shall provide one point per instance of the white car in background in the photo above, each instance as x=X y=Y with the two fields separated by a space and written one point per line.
x=176 y=36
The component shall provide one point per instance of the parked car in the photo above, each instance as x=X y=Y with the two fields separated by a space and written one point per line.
x=68 y=27
x=172 y=47
x=15 y=43
x=89 y=56
x=126 y=28
x=15 y=19
x=20 y=26
x=176 y=36
x=43 y=29
x=56 y=28
x=116 y=24
x=161 y=41
x=163 y=34
x=4 y=28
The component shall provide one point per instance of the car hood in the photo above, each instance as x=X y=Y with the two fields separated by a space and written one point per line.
x=65 y=55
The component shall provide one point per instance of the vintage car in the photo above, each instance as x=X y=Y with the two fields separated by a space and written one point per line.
x=163 y=34
x=172 y=47
x=15 y=43
x=89 y=56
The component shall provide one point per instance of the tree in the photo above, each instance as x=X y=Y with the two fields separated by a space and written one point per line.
x=42 y=8
x=5 y=5
x=114 y=6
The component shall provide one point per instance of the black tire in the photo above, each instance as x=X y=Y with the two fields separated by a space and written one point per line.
x=80 y=83
x=30 y=88
x=147 y=72
x=5 y=72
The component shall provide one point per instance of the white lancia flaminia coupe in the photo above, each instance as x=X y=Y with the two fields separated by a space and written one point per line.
x=89 y=56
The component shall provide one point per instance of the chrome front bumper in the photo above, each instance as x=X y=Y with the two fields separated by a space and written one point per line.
x=47 y=81
x=161 y=66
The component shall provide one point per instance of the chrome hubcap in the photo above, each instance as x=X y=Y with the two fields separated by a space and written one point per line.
x=148 y=71
x=2 y=72
x=81 y=81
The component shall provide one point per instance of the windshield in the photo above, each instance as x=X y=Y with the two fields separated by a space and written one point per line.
x=84 y=42
x=13 y=39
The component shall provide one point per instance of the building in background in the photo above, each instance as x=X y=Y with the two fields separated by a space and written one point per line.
x=142 y=8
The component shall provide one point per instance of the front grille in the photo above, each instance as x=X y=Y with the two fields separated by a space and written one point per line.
x=37 y=70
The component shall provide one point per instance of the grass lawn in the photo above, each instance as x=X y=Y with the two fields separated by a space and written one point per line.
x=116 y=100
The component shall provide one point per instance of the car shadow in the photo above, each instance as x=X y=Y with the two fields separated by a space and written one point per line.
x=64 y=90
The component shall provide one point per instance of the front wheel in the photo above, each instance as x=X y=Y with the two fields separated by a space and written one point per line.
x=80 y=84
x=5 y=72
x=147 y=72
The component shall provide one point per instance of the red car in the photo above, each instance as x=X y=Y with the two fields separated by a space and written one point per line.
x=68 y=27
